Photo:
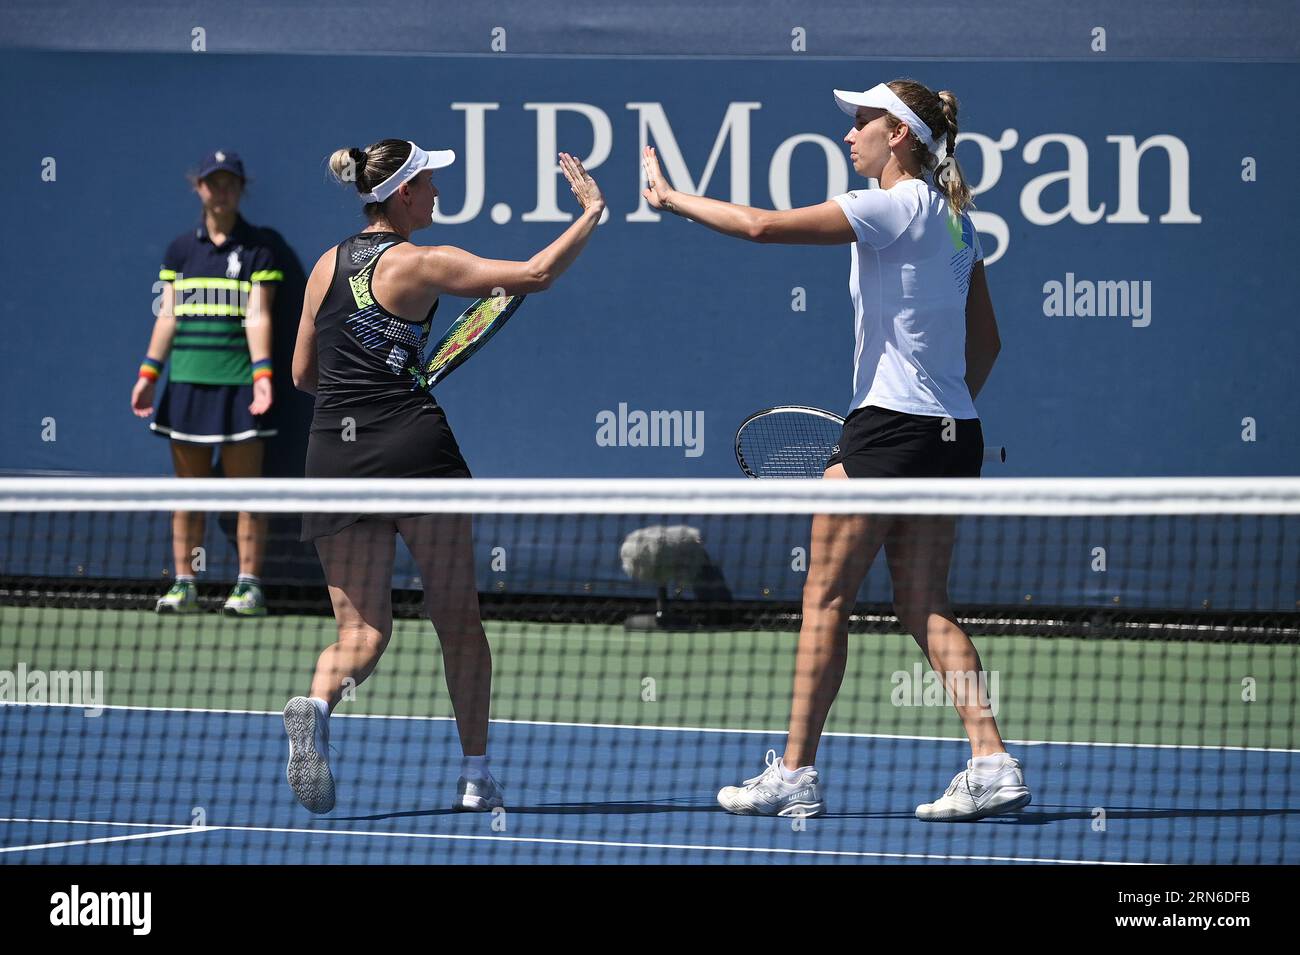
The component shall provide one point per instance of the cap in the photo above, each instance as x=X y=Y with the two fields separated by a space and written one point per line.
x=221 y=160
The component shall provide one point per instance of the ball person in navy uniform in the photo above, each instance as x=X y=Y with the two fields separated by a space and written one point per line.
x=214 y=323
x=366 y=318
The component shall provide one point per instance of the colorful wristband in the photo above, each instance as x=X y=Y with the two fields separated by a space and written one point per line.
x=151 y=368
x=262 y=369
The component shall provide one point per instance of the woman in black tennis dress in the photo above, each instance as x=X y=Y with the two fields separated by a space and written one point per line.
x=362 y=349
x=366 y=317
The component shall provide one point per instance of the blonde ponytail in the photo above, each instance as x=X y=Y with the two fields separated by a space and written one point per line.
x=348 y=165
x=939 y=112
x=948 y=175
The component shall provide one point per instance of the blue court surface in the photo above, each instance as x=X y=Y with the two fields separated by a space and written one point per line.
x=172 y=786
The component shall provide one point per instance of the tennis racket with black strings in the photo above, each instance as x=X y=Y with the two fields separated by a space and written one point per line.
x=794 y=441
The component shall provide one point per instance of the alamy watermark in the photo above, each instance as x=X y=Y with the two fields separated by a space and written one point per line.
x=77 y=907
x=56 y=687
x=206 y=297
x=924 y=687
x=651 y=429
x=1084 y=298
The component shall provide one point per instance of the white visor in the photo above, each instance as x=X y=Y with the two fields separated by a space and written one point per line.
x=417 y=162
x=881 y=96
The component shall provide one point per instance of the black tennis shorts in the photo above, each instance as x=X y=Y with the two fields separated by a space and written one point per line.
x=878 y=442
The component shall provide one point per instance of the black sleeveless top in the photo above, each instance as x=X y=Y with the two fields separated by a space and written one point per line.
x=374 y=418
x=366 y=355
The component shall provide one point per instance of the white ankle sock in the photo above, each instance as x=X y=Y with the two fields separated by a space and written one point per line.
x=792 y=775
x=990 y=765
x=474 y=767
x=322 y=707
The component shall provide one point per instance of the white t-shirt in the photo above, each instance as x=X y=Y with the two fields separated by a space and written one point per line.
x=910 y=272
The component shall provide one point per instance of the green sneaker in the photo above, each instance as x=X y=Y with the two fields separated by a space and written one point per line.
x=245 y=600
x=182 y=598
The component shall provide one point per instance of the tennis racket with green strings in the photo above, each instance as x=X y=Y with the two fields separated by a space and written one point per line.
x=467 y=334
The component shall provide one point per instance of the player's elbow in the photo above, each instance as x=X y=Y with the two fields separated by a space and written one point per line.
x=537 y=277
x=304 y=376
x=761 y=228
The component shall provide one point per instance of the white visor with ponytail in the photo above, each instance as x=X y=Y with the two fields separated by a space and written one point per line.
x=881 y=96
x=417 y=162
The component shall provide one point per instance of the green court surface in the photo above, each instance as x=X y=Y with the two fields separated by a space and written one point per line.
x=1047 y=688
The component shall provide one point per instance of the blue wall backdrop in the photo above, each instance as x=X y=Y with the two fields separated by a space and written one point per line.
x=666 y=315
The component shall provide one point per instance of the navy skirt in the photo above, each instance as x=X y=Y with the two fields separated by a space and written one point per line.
x=208 y=414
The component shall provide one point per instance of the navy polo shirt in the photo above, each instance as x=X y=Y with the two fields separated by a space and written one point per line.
x=212 y=284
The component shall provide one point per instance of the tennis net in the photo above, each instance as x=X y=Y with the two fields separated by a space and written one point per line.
x=1138 y=640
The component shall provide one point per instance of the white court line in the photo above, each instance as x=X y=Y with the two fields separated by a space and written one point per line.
x=89 y=842
x=667 y=729
x=95 y=822
x=538 y=840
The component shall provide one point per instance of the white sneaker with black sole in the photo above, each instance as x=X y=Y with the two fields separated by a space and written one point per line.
x=770 y=794
x=308 y=771
x=974 y=795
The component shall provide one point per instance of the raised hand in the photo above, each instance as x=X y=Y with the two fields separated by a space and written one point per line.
x=584 y=188
x=657 y=188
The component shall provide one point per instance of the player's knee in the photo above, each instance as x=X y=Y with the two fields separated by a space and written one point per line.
x=916 y=614
x=367 y=639
x=828 y=597
x=464 y=635
x=911 y=613
x=458 y=614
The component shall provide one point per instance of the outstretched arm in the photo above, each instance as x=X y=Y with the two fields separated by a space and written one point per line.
x=459 y=272
x=822 y=224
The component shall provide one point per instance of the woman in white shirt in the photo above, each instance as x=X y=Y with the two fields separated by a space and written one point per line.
x=926 y=339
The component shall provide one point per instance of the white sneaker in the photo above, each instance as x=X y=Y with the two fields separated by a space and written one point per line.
x=478 y=795
x=768 y=793
x=308 y=771
x=970 y=796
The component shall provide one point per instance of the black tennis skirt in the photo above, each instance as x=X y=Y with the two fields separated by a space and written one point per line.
x=879 y=442
x=403 y=440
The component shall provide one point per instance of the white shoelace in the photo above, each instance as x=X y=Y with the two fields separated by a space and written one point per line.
x=957 y=781
x=772 y=763
x=962 y=779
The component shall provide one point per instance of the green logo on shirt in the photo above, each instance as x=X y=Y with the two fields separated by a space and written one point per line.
x=955 y=232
